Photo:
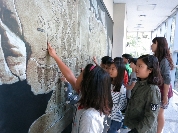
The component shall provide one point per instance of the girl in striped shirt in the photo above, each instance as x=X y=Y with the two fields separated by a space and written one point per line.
x=118 y=92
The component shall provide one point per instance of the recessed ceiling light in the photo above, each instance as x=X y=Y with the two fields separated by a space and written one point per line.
x=138 y=27
x=142 y=16
x=146 y=7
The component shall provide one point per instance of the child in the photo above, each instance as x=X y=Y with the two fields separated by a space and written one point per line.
x=94 y=86
x=161 y=51
x=143 y=107
x=69 y=95
x=72 y=98
x=126 y=77
x=126 y=58
x=105 y=61
x=118 y=91
x=132 y=78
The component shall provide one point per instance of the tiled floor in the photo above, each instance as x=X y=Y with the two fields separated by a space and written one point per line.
x=171 y=116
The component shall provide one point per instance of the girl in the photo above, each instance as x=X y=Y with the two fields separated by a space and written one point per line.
x=94 y=86
x=161 y=51
x=73 y=98
x=118 y=92
x=143 y=107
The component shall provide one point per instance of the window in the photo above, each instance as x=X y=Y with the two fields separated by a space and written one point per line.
x=173 y=25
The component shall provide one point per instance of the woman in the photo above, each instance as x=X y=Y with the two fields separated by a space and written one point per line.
x=161 y=51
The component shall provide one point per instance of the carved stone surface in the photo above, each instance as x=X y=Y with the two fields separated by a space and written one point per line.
x=77 y=30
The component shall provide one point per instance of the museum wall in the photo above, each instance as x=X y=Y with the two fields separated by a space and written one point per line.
x=31 y=93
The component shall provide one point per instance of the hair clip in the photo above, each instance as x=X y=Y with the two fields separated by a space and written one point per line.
x=92 y=67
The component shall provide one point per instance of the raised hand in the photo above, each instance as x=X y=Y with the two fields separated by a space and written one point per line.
x=68 y=74
x=51 y=51
x=94 y=60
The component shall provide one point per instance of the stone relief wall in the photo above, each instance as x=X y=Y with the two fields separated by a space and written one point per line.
x=77 y=29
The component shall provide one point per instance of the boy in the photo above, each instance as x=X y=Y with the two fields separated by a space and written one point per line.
x=126 y=58
x=132 y=78
x=104 y=62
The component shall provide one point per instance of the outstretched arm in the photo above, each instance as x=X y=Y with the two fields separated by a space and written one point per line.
x=68 y=74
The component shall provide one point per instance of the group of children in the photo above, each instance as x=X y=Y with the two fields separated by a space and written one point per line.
x=104 y=91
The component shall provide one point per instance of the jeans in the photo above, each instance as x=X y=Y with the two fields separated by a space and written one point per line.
x=114 y=127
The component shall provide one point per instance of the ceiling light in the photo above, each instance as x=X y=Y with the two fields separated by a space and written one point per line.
x=142 y=16
x=146 y=7
x=138 y=27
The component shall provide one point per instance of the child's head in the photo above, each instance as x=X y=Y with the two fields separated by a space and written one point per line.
x=116 y=71
x=95 y=89
x=126 y=58
x=161 y=50
x=104 y=62
x=133 y=62
x=148 y=68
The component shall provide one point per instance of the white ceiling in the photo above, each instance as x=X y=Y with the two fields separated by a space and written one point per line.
x=154 y=17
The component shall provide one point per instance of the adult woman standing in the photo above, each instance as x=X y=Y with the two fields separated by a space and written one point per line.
x=161 y=51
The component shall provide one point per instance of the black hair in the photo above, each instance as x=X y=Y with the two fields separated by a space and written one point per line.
x=106 y=59
x=152 y=64
x=133 y=60
x=118 y=81
x=118 y=59
x=127 y=56
x=109 y=60
x=95 y=89
x=162 y=50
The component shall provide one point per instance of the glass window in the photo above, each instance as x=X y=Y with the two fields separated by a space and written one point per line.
x=165 y=26
x=176 y=76
x=138 y=43
x=173 y=25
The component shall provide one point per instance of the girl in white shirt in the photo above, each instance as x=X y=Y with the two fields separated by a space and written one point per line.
x=93 y=84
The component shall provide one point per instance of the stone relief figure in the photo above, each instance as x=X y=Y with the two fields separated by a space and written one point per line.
x=77 y=30
x=12 y=48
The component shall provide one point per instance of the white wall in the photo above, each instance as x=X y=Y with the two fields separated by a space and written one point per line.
x=109 y=6
x=119 y=30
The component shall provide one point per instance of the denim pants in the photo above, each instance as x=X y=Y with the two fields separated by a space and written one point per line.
x=114 y=126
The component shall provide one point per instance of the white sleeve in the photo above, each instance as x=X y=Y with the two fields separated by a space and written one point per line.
x=90 y=124
x=123 y=90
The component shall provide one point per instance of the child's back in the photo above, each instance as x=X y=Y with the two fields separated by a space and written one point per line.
x=93 y=84
x=88 y=121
